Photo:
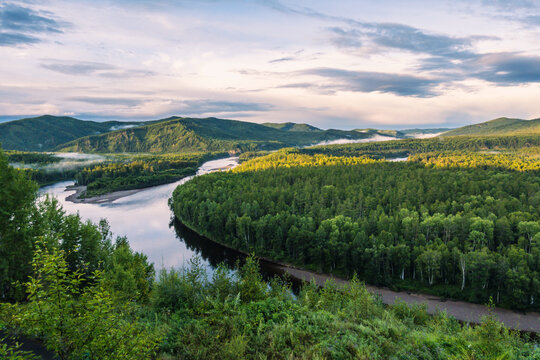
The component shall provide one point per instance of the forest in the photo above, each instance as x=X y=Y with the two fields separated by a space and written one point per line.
x=399 y=148
x=84 y=294
x=437 y=224
x=139 y=171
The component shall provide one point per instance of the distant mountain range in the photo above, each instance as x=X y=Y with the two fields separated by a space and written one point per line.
x=500 y=126
x=178 y=134
x=174 y=134
x=44 y=133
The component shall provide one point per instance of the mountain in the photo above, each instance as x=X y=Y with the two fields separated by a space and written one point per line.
x=289 y=126
x=423 y=133
x=179 y=134
x=45 y=133
x=390 y=133
x=500 y=126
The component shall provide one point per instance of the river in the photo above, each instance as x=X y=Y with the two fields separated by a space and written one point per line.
x=145 y=218
x=148 y=223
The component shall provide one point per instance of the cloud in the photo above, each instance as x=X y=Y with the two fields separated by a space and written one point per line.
x=508 y=68
x=13 y=39
x=206 y=106
x=381 y=36
x=510 y=4
x=93 y=68
x=365 y=81
x=346 y=38
x=106 y=100
x=411 y=39
x=283 y=59
x=18 y=25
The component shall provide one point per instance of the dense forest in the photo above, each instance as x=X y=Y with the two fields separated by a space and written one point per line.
x=176 y=134
x=470 y=232
x=84 y=295
x=399 y=148
x=500 y=126
x=44 y=133
x=110 y=172
x=140 y=171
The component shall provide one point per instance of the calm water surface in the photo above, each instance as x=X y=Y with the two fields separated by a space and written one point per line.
x=146 y=220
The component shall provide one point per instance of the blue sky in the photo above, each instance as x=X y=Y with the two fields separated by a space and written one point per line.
x=346 y=64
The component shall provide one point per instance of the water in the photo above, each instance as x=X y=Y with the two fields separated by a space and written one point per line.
x=145 y=218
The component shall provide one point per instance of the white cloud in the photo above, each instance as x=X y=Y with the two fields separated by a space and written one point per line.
x=124 y=59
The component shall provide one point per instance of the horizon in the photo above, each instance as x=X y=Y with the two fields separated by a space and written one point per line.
x=5 y=120
x=381 y=65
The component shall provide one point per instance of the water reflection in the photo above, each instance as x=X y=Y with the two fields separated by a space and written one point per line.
x=143 y=217
x=213 y=254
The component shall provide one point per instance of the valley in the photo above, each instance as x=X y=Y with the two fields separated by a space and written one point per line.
x=451 y=217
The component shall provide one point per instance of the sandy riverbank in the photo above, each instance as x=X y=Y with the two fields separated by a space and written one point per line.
x=100 y=199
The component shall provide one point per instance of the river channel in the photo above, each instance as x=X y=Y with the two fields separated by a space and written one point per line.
x=146 y=220
x=148 y=223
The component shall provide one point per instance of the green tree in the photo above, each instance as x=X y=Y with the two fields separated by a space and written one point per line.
x=17 y=196
x=77 y=322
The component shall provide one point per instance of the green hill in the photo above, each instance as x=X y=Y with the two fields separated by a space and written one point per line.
x=289 y=126
x=46 y=132
x=500 y=126
x=191 y=135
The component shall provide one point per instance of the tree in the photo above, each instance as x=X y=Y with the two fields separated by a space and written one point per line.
x=529 y=229
x=17 y=196
x=77 y=321
x=430 y=263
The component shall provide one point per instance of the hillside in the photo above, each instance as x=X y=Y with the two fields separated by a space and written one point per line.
x=500 y=126
x=289 y=126
x=46 y=132
x=191 y=135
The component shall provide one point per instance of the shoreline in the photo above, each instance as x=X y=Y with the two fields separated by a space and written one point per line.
x=461 y=310
x=115 y=195
x=100 y=199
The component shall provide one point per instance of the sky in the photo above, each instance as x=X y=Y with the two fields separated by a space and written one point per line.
x=333 y=64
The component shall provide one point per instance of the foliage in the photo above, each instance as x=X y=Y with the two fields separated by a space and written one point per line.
x=400 y=148
x=292 y=158
x=507 y=161
x=500 y=126
x=248 y=155
x=26 y=157
x=13 y=352
x=17 y=196
x=128 y=275
x=219 y=318
x=89 y=299
x=201 y=135
x=77 y=321
x=44 y=133
x=467 y=233
x=140 y=171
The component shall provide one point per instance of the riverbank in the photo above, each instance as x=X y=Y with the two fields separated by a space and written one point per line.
x=100 y=199
x=461 y=310
x=205 y=168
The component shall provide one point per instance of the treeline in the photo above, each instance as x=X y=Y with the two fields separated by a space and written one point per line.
x=26 y=157
x=47 y=177
x=140 y=171
x=68 y=285
x=293 y=158
x=509 y=161
x=399 y=148
x=467 y=233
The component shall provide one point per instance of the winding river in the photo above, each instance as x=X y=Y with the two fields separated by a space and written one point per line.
x=145 y=218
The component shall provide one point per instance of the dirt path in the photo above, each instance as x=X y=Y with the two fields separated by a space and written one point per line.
x=461 y=310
